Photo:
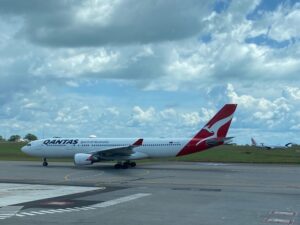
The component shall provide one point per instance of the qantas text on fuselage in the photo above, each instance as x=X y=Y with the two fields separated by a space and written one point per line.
x=86 y=151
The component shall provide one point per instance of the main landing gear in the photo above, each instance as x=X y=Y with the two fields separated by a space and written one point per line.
x=124 y=165
x=45 y=163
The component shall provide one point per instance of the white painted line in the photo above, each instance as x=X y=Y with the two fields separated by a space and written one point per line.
x=9 y=211
x=47 y=211
x=7 y=216
x=27 y=214
x=73 y=209
x=276 y=220
x=87 y=208
x=37 y=212
x=63 y=210
x=284 y=213
x=84 y=208
x=67 y=210
x=120 y=200
x=55 y=211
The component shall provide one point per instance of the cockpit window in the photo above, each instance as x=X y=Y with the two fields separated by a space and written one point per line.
x=28 y=145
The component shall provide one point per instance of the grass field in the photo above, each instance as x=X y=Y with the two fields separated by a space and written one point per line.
x=11 y=151
x=226 y=153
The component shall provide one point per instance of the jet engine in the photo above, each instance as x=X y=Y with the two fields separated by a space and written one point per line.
x=81 y=159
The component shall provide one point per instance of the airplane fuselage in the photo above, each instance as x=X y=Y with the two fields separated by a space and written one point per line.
x=68 y=147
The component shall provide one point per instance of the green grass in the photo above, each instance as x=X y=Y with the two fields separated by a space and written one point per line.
x=227 y=153
x=245 y=154
x=12 y=151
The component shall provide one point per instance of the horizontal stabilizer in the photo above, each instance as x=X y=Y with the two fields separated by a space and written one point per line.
x=218 y=141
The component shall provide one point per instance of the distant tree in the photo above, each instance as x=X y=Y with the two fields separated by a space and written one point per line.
x=2 y=138
x=30 y=137
x=14 y=138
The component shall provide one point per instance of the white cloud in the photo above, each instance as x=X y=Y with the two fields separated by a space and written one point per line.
x=72 y=83
x=292 y=92
x=72 y=63
x=141 y=116
x=113 y=110
x=191 y=119
x=96 y=12
x=284 y=23
x=66 y=69
x=258 y=112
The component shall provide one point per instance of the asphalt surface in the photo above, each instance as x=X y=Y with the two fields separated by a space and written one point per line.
x=152 y=193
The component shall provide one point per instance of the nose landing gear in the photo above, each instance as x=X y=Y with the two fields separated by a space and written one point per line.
x=45 y=163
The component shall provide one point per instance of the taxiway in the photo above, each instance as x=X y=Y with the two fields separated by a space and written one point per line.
x=151 y=193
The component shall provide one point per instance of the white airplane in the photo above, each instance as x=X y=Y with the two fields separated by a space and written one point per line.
x=86 y=151
x=253 y=143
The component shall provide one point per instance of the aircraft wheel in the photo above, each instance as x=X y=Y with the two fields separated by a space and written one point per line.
x=132 y=164
x=125 y=166
x=118 y=166
x=45 y=163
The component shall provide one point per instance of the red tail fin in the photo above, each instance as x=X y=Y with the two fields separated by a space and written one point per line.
x=216 y=129
x=219 y=124
x=253 y=142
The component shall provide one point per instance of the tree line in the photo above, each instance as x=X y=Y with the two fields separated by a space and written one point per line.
x=18 y=138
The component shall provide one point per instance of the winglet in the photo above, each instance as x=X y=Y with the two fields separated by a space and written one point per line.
x=138 y=142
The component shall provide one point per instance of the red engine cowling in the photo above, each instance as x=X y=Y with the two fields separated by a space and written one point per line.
x=81 y=159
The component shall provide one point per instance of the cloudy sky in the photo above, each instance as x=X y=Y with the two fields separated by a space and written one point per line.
x=151 y=68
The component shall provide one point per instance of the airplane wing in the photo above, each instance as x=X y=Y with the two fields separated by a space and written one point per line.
x=117 y=152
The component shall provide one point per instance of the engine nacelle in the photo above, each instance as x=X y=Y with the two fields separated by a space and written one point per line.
x=82 y=159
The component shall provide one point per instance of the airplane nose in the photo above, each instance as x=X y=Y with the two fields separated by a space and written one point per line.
x=23 y=149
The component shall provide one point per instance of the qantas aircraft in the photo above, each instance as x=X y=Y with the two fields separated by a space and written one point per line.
x=253 y=143
x=86 y=151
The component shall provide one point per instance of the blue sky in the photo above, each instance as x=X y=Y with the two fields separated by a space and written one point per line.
x=132 y=68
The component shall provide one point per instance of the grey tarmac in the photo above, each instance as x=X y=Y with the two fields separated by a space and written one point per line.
x=156 y=193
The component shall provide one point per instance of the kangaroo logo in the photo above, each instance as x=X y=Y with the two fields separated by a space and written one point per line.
x=214 y=128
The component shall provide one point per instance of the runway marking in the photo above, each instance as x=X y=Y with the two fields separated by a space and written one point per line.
x=27 y=214
x=9 y=211
x=47 y=211
x=35 y=212
x=284 y=213
x=83 y=208
x=282 y=221
x=120 y=200
x=68 y=177
x=285 y=217
x=21 y=193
